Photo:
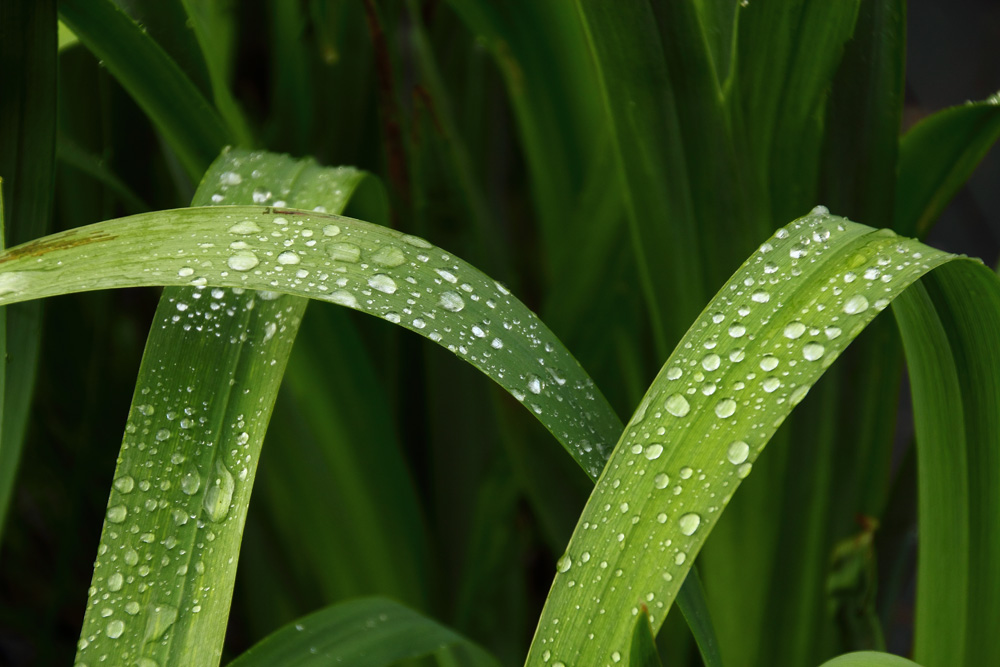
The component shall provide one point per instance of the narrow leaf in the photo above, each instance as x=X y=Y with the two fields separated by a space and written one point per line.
x=643 y=650
x=869 y=659
x=369 y=632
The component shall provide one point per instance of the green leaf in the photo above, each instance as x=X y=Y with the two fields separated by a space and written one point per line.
x=165 y=570
x=937 y=156
x=691 y=600
x=869 y=659
x=370 y=632
x=753 y=355
x=339 y=260
x=27 y=155
x=188 y=122
x=643 y=649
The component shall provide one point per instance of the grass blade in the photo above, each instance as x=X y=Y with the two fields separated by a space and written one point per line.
x=188 y=122
x=370 y=632
x=164 y=573
x=748 y=360
x=869 y=659
x=643 y=649
x=937 y=156
x=27 y=155
x=691 y=600
x=349 y=262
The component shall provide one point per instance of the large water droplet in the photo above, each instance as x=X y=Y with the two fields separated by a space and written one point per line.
x=653 y=451
x=344 y=252
x=737 y=330
x=125 y=484
x=245 y=227
x=738 y=452
x=288 y=257
x=813 y=351
x=344 y=298
x=117 y=513
x=768 y=362
x=677 y=405
x=191 y=481
x=382 y=283
x=661 y=481
x=770 y=384
x=389 y=256
x=564 y=563
x=725 y=408
x=794 y=329
x=115 y=582
x=452 y=301
x=689 y=523
x=244 y=260
x=331 y=230
x=114 y=629
x=415 y=241
x=711 y=362
x=219 y=494
x=760 y=296
x=856 y=304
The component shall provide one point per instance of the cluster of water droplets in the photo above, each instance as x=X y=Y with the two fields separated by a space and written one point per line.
x=753 y=355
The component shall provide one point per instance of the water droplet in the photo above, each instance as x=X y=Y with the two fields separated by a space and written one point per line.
x=230 y=178
x=331 y=230
x=653 y=451
x=856 y=304
x=798 y=394
x=761 y=296
x=770 y=384
x=832 y=332
x=162 y=434
x=813 y=351
x=674 y=373
x=738 y=452
x=191 y=481
x=794 y=329
x=415 y=241
x=114 y=629
x=677 y=405
x=686 y=472
x=689 y=523
x=219 y=494
x=244 y=260
x=711 y=362
x=661 y=481
x=117 y=513
x=452 y=301
x=725 y=408
x=496 y=344
x=564 y=563
x=344 y=252
x=382 y=283
x=535 y=385
x=344 y=298
x=736 y=330
x=744 y=470
x=125 y=484
x=115 y=582
x=388 y=256
x=185 y=271
x=680 y=558
x=245 y=227
x=288 y=257
x=768 y=363
x=159 y=619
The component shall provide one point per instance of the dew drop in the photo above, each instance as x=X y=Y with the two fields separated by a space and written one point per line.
x=738 y=452
x=344 y=298
x=770 y=384
x=117 y=513
x=452 y=301
x=794 y=329
x=564 y=563
x=653 y=451
x=832 y=332
x=115 y=582
x=761 y=296
x=813 y=351
x=114 y=629
x=737 y=330
x=191 y=481
x=344 y=252
x=245 y=227
x=243 y=260
x=768 y=362
x=856 y=304
x=382 y=283
x=185 y=271
x=689 y=523
x=725 y=408
x=711 y=362
x=219 y=494
x=288 y=257
x=744 y=470
x=331 y=230
x=388 y=256
x=158 y=620
x=125 y=484
x=677 y=405
x=661 y=481
x=686 y=472
x=535 y=385
x=798 y=394
x=415 y=241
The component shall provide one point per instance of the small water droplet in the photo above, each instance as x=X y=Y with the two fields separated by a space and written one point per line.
x=415 y=241
x=677 y=405
x=535 y=384
x=564 y=563
x=686 y=472
x=117 y=513
x=219 y=494
x=744 y=470
x=344 y=298
x=856 y=304
x=661 y=481
x=230 y=178
x=711 y=362
x=115 y=582
x=768 y=362
x=245 y=227
x=689 y=523
x=288 y=257
x=760 y=296
x=798 y=394
x=770 y=384
x=736 y=330
x=191 y=481
x=125 y=484
x=159 y=619
x=653 y=451
x=331 y=230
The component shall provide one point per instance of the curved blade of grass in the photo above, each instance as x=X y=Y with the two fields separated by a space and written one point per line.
x=188 y=122
x=27 y=154
x=759 y=346
x=164 y=572
x=369 y=632
x=691 y=601
x=869 y=659
x=377 y=270
x=937 y=157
